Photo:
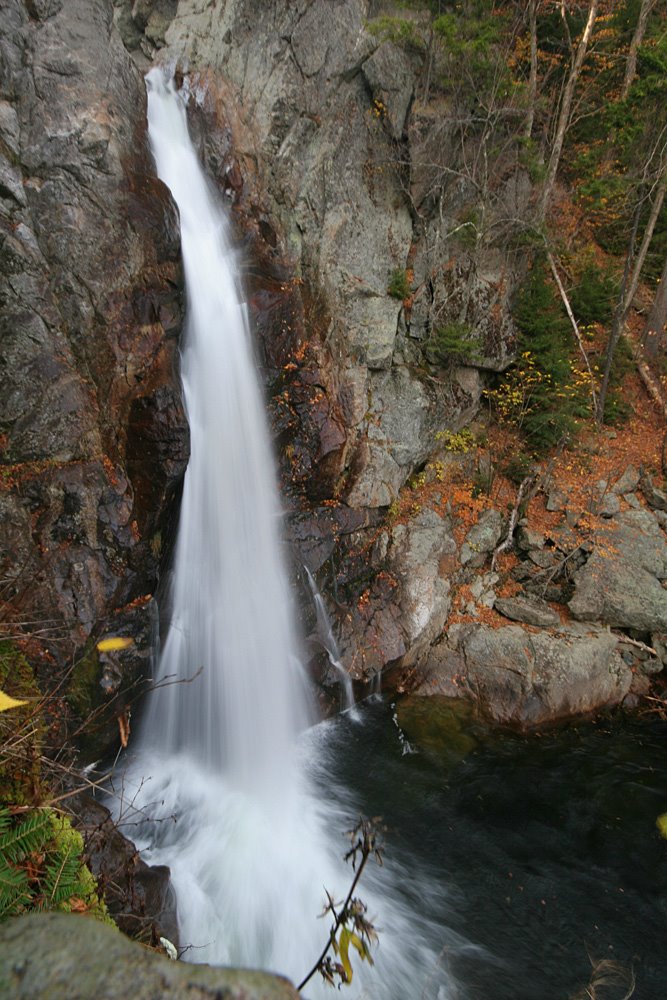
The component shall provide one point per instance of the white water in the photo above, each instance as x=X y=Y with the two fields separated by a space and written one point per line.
x=222 y=784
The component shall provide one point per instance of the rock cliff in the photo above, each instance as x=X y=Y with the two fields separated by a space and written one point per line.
x=354 y=209
x=309 y=120
x=93 y=438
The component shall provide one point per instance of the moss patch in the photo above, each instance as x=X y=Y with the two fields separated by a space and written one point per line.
x=439 y=726
x=83 y=691
x=21 y=730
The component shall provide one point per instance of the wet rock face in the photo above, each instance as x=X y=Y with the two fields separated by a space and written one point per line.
x=397 y=590
x=91 y=426
x=307 y=124
x=138 y=896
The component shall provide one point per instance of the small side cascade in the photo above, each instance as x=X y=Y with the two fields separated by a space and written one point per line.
x=376 y=687
x=328 y=640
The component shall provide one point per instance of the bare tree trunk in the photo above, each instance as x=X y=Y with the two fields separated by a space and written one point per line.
x=618 y=321
x=566 y=108
x=429 y=63
x=575 y=327
x=638 y=37
x=661 y=190
x=654 y=335
x=526 y=486
x=652 y=386
x=532 y=79
x=631 y=275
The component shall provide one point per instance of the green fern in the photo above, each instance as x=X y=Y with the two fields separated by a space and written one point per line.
x=17 y=840
x=14 y=889
x=61 y=880
x=41 y=866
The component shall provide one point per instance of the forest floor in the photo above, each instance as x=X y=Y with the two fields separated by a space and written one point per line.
x=463 y=485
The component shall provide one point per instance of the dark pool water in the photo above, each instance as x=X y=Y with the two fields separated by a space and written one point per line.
x=544 y=849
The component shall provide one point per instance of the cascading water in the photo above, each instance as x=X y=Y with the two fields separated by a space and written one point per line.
x=221 y=787
x=231 y=613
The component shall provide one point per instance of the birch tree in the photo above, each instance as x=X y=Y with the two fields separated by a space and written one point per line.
x=565 y=109
x=532 y=77
x=654 y=335
x=637 y=38
x=635 y=258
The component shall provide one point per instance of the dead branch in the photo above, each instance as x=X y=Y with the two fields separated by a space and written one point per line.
x=652 y=386
x=530 y=482
x=635 y=642
x=575 y=327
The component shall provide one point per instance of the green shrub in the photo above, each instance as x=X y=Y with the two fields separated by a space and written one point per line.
x=471 y=41
x=22 y=729
x=617 y=410
x=453 y=344
x=518 y=467
x=544 y=392
x=531 y=159
x=594 y=297
x=400 y=30
x=483 y=479
x=545 y=333
x=399 y=286
x=458 y=442
x=468 y=227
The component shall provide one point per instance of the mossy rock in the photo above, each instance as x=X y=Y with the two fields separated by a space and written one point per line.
x=93 y=709
x=22 y=729
x=85 y=894
x=103 y=685
x=439 y=726
x=84 y=694
x=57 y=956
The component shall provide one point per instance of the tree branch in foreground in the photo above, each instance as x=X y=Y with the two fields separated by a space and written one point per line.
x=350 y=926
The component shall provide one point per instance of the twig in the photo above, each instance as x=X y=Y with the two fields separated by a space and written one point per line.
x=339 y=919
x=366 y=845
x=553 y=573
x=635 y=642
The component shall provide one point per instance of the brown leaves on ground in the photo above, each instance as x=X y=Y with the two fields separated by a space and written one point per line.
x=596 y=455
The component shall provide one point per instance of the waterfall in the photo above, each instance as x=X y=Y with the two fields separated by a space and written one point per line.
x=231 y=612
x=227 y=784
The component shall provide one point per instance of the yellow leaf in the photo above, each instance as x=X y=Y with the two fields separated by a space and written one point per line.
x=661 y=824
x=113 y=643
x=362 y=948
x=357 y=943
x=7 y=702
x=343 y=946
